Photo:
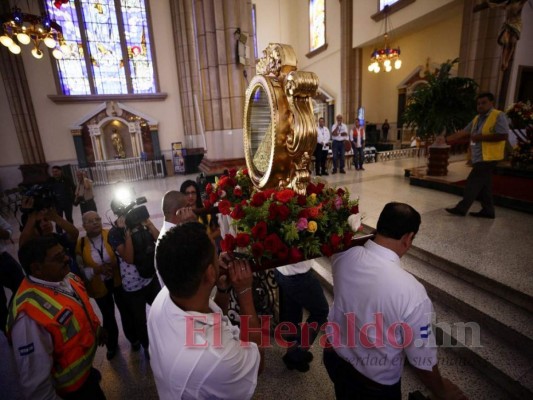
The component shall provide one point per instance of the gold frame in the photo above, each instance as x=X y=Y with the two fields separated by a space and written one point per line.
x=294 y=134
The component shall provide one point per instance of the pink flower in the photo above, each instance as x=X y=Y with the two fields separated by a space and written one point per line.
x=338 y=202
x=301 y=225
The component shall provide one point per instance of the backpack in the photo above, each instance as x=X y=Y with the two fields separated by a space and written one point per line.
x=144 y=251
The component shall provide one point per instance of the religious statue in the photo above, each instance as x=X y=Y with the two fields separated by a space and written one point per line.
x=116 y=139
x=511 y=27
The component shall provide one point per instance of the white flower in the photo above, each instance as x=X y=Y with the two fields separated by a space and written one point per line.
x=354 y=221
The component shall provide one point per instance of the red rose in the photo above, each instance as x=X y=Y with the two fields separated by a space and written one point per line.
x=347 y=239
x=242 y=239
x=295 y=255
x=259 y=231
x=232 y=172
x=283 y=212
x=326 y=250
x=238 y=212
x=213 y=198
x=272 y=211
x=237 y=191
x=223 y=182
x=313 y=212
x=335 y=240
x=209 y=188
x=303 y=214
x=354 y=210
x=273 y=243
x=207 y=204
x=224 y=206
x=268 y=193
x=302 y=200
x=320 y=187
x=245 y=171
x=257 y=250
x=283 y=252
x=258 y=199
x=228 y=243
x=311 y=188
x=340 y=191
x=285 y=195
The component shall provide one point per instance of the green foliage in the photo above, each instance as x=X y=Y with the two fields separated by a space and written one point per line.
x=445 y=105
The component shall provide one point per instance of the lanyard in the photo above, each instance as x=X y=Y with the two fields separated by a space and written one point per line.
x=101 y=250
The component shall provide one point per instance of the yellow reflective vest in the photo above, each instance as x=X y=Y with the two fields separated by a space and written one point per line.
x=491 y=151
x=72 y=324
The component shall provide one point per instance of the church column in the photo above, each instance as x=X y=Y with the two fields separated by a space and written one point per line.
x=351 y=62
x=221 y=78
x=21 y=106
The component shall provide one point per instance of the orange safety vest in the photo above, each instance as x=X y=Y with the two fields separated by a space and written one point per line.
x=72 y=324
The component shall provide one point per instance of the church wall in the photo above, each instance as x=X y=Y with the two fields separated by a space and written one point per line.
x=55 y=120
x=288 y=22
x=440 y=42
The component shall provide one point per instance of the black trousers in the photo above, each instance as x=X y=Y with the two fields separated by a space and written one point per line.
x=135 y=303
x=10 y=277
x=350 y=384
x=321 y=156
x=479 y=187
x=106 y=305
x=87 y=205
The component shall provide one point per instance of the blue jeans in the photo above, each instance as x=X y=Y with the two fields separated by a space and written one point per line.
x=338 y=154
x=296 y=293
x=358 y=156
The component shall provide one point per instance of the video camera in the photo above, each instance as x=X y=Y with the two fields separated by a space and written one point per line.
x=134 y=216
x=37 y=198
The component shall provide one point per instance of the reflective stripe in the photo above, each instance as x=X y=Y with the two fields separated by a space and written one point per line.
x=70 y=375
x=50 y=308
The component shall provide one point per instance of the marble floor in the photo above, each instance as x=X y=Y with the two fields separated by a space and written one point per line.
x=500 y=249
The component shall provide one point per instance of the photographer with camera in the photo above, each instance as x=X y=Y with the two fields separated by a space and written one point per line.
x=133 y=238
x=38 y=223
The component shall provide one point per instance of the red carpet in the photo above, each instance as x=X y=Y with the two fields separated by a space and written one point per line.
x=510 y=186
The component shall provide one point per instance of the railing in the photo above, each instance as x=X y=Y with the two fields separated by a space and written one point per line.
x=400 y=154
x=123 y=170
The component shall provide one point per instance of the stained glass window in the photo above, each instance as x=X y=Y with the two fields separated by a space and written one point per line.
x=108 y=47
x=317 y=24
x=384 y=3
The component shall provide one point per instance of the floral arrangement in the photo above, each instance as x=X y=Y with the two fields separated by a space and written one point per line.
x=229 y=189
x=521 y=116
x=277 y=227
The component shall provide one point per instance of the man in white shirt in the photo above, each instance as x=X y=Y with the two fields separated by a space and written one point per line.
x=175 y=210
x=382 y=314
x=196 y=353
x=10 y=271
x=339 y=134
x=322 y=148
x=358 y=138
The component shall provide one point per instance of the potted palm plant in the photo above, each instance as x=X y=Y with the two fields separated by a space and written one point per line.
x=442 y=106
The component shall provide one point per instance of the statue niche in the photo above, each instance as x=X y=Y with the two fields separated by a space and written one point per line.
x=117 y=141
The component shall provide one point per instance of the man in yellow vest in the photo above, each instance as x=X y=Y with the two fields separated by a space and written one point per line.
x=488 y=132
x=53 y=328
x=99 y=266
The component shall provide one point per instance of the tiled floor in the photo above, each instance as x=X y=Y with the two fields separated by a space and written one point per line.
x=499 y=248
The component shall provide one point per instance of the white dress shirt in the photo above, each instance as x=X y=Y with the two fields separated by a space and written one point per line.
x=164 y=229
x=358 y=135
x=323 y=137
x=371 y=285
x=342 y=129
x=218 y=366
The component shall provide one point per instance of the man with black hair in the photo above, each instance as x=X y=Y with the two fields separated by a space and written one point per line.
x=488 y=133
x=196 y=352
x=53 y=328
x=382 y=314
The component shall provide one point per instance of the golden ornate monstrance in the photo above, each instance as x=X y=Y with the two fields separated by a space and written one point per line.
x=279 y=127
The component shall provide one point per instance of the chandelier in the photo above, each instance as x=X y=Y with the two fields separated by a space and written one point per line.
x=29 y=28
x=386 y=56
